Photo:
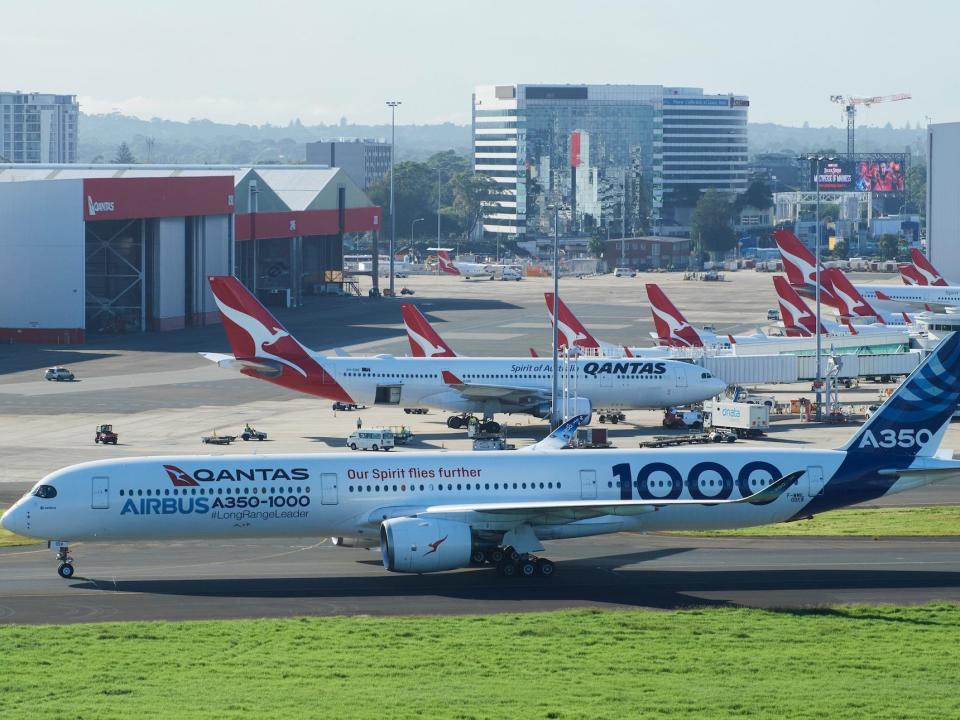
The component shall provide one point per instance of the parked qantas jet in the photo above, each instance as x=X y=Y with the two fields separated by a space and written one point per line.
x=465 y=269
x=264 y=349
x=432 y=511
x=800 y=266
x=673 y=329
x=853 y=305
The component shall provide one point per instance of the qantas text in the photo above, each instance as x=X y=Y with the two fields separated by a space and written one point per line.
x=624 y=368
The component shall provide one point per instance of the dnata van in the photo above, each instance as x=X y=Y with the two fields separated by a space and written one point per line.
x=371 y=439
x=624 y=272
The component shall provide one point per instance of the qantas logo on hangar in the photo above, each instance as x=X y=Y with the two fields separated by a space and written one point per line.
x=99 y=207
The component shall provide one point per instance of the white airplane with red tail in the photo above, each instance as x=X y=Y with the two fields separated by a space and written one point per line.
x=921 y=271
x=264 y=349
x=800 y=266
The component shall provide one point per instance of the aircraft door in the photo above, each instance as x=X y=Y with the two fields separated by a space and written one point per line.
x=100 y=497
x=328 y=489
x=387 y=395
x=588 y=484
x=815 y=481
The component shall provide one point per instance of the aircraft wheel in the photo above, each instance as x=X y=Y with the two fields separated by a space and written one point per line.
x=527 y=568
x=614 y=419
x=510 y=554
x=478 y=557
x=491 y=427
x=65 y=571
x=603 y=418
x=545 y=567
x=507 y=568
x=454 y=422
x=495 y=556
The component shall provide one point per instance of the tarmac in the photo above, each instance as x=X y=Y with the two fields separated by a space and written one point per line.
x=162 y=397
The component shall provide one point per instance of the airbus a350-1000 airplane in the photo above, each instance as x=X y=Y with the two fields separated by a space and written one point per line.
x=430 y=511
x=264 y=349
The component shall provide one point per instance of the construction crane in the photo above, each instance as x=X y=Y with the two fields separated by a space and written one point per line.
x=850 y=109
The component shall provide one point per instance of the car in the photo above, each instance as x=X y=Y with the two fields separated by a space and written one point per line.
x=59 y=374
x=105 y=435
x=624 y=272
x=344 y=406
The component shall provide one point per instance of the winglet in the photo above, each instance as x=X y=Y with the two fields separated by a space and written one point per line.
x=561 y=437
x=449 y=378
x=774 y=490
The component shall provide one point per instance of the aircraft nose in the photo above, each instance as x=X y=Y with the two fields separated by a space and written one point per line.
x=719 y=386
x=12 y=520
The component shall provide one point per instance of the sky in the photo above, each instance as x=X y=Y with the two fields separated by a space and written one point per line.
x=260 y=62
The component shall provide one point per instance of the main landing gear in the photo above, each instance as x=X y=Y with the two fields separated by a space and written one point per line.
x=612 y=416
x=65 y=569
x=510 y=563
x=487 y=425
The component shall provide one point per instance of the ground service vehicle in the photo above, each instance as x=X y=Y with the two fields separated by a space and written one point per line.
x=105 y=435
x=745 y=419
x=250 y=434
x=371 y=439
x=624 y=272
x=433 y=511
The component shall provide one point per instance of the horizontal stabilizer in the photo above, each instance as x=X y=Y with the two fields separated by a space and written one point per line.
x=264 y=368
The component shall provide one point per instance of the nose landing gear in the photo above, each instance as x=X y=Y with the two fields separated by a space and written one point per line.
x=65 y=568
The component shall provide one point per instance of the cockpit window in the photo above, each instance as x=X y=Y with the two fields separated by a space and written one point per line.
x=705 y=376
x=46 y=492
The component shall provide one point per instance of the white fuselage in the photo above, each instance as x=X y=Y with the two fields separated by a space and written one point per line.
x=626 y=383
x=247 y=496
x=911 y=298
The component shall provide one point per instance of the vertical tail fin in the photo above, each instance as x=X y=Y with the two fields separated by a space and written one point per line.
x=672 y=327
x=926 y=269
x=446 y=264
x=571 y=331
x=793 y=309
x=910 y=275
x=914 y=419
x=424 y=340
x=849 y=300
x=800 y=264
x=255 y=334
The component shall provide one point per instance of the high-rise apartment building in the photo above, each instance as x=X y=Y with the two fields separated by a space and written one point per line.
x=38 y=127
x=629 y=156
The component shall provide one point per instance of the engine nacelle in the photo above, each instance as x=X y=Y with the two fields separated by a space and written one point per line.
x=355 y=542
x=418 y=545
x=575 y=406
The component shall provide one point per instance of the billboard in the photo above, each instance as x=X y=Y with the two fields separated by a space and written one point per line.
x=879 y=176
x=834 y=175
x=884 y=175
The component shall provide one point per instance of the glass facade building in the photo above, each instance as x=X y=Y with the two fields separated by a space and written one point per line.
x=38 y=128
x=626 y=156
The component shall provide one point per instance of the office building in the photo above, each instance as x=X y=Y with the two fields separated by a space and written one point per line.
x=364 y=160
x=38 y=128
x=943 y=198
x=633 y=156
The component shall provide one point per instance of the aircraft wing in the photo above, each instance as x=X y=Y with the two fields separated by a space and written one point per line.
x=481 y=391
x=563 y=511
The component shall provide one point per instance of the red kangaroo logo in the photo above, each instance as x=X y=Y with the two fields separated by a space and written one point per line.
x=178 y=477
x=434 y=545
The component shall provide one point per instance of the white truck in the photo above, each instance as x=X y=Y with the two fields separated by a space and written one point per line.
x=745 y=419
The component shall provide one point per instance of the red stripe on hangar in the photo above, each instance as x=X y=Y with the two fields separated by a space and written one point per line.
x=126 y=198
x=307 y=222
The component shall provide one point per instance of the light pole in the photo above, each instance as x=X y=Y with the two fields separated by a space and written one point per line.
x=819 y=380
x=414 y=222
x=438 y=206
x=393 y=152
x=554 y=420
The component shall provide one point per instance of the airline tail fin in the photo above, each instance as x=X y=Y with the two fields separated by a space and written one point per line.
x=571 y=331
x=533 y=353
x=914 y=419
x=258 y=338
x=849 y=300
x=910 y=275
x=424 y=340
x=793 y=309
x=798 y=262
x=561 y=437
x=672 y=327
x=446 y=264
x=926 y=269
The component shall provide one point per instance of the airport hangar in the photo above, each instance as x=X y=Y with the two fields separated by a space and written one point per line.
x=127 y=248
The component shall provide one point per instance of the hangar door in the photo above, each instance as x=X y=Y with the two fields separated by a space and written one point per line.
x=114 y=270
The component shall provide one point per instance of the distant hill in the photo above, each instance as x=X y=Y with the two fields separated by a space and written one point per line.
x=204 y=141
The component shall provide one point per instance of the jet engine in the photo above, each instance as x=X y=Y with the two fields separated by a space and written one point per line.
x=574 y=406
x=355 y=542
x=418 y=545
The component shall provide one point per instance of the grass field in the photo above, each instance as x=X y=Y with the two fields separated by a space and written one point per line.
x=865 y=662
x=875 y=522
